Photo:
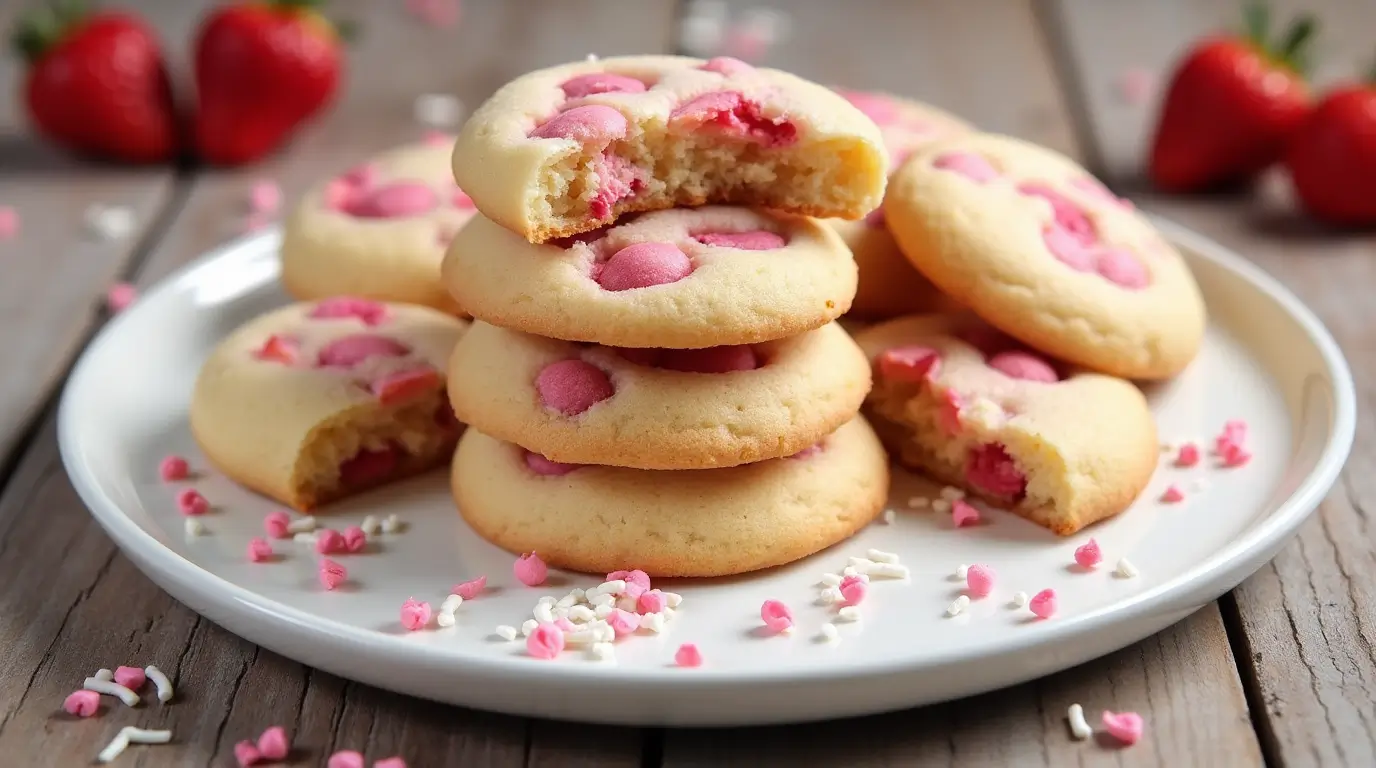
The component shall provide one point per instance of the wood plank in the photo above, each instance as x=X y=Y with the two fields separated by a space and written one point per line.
x=1153 y=36
x=86 y=605
x=1182 y=681
x=983 y=63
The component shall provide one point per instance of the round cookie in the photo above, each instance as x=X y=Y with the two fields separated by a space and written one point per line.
x=657 y=408
x=1031 y=242
x=888 y=284
x=567 y=149
x=1060 y=446
x=321 y=400
x=681 y=278
x=710 y=522
x=378 y=230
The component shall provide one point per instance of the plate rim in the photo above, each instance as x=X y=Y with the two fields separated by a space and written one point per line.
x=1218 y=573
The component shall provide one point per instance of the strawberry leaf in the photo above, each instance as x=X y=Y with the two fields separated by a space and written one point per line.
x=1258 y=19
x=1294 y=47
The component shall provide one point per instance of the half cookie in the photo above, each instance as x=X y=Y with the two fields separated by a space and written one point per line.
x=683 y=278
x=657 y=408
x=317 y=401
x=970 y=406
x=567 y=149
x=712 y=522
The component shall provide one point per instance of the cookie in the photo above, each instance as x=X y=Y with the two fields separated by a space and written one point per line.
x=889 y=285
x=708 y=522
x=567 y=149
x=321 y=400
x=681 y=278
x=657 y=408
x=378 y=230
x=1031 y=242
x=1058 y=445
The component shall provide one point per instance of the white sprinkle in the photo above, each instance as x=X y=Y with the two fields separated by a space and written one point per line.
x=194 y=527
x=543 y=613
x=861 y=564
x=370 y=525
x=957 y=607
x=830 y=580
x=104 y=674
x=145 y=736
x=109 y=688
x=614 y=587
x=1078 y=727
x=581 y=637
x=829 y=633
x=887 y=571
x=301 y=525
x=546 y=600
x=888 y=517
x=1019 y=599
x=602 y=651
x=391 y=524
x=653 y=622
x=848 y=613
x=880 y=556
x=439 y=110
x=579 y=595
x=829 y=596
x=672 y=599
x=581 y=613
x=850 y=570
x=598 y=599
x=919 y=502
x=115 y=748
x=451 y=603
x=110 y=222
x=627 y=603
x=604 y=631
x=591 y=58
x=506 y=632
x=529 y=626
x=567 y=601
x=160 y=680
x=444 y=619
x=1125 y=569
x=962 y=571
x=941 y=505
x=603 y=611
x=951 y=493
x=304 y=538
x=559 y=613
x=669 y=613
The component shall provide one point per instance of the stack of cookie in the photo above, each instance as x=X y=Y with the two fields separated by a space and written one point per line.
x=654 y=379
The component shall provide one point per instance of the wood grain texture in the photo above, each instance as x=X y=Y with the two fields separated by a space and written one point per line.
x=986 y=62
x=1182 y=681
x=1101 y=42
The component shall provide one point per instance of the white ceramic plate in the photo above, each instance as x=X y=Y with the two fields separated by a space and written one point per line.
x=1266 y=359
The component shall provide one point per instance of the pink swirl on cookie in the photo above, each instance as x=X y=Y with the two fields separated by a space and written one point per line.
x=578 y=86
x=618 y=179
x=370 y=312
x=395 y=200
x=968 y=164
x=912 y=363
x=572 y=386
x=1026 y=366
x=729 y=112
x=758 y=240
x=1075 y=241
x=990 y=469
x=877 y=107
x=589 y=125
x=643 y=265
x=349 y=351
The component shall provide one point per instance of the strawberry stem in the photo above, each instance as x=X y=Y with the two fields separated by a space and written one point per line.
x=1294 y=47
x=1258 y=19
x=41 y=29
x=1371 y=73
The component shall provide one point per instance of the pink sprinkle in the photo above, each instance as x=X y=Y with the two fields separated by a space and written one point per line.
x=623 y=622
x=259 y=550
x=1188 y=455
x=81 y=703
x=1173 y=494
x=963 y=513
x=390 y=762
x=370 y=312
x=264 y=197
x=132 y=678
x=640 y=578
x=726 y=66
x=247 y=754
x=329 y=542
x=346 y=758
x=190 y=503
x=852 y=589
x=173 y=468
x=120 y=296
x=1123 y=726
x=1234 y=431
x=1089 y=554
x=545 y=642
x=470 y=589
x=777 y=618
x=332 y=574
x=355 y=539
x=273 y=744
x=651 y=602
x=688 y=655
x=276 y=525
x=633 y=590
x=9 y=227
x=1043 y=604
x=979 y=580
x=530 y=570
x=415 y=614
x=1235 y=455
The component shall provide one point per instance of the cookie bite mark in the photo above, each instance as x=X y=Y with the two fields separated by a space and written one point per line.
x=643 y=265
x=731 y=114
x=992 y=471
x=572 y=386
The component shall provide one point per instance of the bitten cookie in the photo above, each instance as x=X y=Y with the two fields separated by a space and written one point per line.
x=889 y=285
x=1061 y=447
x=378 y=230
x=657 y=408
x=567 y=149
x=710 y=522
x=317 y=401
x=1036 y=246
x=682 y=278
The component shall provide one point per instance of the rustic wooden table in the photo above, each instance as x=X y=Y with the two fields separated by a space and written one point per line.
x=1282 y=671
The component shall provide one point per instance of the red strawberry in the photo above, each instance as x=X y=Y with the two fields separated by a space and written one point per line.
x=1231 y=107
x=97 y=83
x=262 y=68
x=1332 y=158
